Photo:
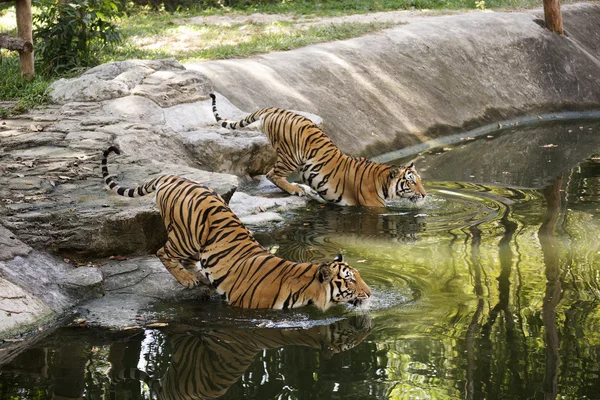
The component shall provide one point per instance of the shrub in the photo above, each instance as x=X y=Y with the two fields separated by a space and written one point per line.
x=70 y=34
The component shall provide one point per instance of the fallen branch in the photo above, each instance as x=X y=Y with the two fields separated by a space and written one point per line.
x=16 y=44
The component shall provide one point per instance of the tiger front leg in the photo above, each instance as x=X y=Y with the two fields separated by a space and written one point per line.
x=278 y=175
x=191 y=265
x=173 y=265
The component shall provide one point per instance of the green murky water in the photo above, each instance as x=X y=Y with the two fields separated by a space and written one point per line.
x=491 y=290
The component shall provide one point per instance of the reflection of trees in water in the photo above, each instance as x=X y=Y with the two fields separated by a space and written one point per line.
x=502 y=361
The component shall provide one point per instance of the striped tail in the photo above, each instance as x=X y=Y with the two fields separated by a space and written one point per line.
x=111 y=182
x=233 y=125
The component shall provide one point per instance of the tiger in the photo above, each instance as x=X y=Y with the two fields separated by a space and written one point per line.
x=202 y=228
x=204 y=365
x=329 y=173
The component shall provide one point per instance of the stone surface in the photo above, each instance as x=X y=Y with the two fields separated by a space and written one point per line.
x=86 y=88
x=169 y=88
x=427 y=78
x=264 y=218
x=243 y=204
x=131 y=286
x=19 y=309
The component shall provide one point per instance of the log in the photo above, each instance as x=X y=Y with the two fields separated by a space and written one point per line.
x=25 y=32
x=553 y=16
x=16 y=44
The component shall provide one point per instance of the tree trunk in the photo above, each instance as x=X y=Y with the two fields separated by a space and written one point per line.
x=553 y=16
x=25 y=32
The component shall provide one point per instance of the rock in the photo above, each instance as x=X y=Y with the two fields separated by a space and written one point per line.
x=112 y=70
x=244 y=205
x=131 y=286
x=84 y=282
x=425 y=79
x=262 y=218
x=169 y=88
x=10 y=246
x=135 y=109
x=240 y=152
x=86 y=88
x=20 y=310
x=192 y=116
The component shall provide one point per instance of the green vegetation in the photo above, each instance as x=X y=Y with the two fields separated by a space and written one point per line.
x=14 y=88
x=68 y=35
x=324 y=7
x=188 y=42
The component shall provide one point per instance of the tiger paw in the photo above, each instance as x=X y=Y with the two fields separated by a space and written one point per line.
x=307 y=191
x=187 y=279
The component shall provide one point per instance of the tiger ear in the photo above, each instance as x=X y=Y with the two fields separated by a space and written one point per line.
x=325 y=273
x=394 y=172
x=411 y=165
x=338 y=258
x=227 y=196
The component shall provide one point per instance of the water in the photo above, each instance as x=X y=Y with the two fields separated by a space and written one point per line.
x=490 y=290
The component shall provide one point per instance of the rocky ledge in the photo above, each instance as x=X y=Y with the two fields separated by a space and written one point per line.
x=60 y=223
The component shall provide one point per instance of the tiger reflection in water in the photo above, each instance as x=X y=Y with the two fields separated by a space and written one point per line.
x=204 y=365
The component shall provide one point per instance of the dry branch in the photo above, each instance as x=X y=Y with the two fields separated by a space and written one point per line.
x=13 y=43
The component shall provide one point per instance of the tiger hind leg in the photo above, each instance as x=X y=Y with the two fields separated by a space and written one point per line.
x=174 y=266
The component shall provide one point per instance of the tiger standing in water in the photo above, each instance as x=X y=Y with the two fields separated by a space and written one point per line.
x=201 y=228
x=336 y=177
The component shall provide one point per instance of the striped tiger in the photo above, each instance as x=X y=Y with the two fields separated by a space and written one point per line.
x=205 y=365
x=201 y=228
x=334 y=176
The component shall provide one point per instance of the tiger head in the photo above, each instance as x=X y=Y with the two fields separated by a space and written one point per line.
x=344 y=281
x=405 y=183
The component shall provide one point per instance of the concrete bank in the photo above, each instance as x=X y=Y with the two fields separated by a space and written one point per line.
x=426 y=79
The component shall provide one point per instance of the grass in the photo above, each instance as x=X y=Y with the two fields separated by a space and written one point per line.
x=189 y=42
x=13 y=87
x=155 y=33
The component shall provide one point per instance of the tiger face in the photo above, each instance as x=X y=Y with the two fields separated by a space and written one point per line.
x=344 y=281
x=345 y=334
x=406 y=183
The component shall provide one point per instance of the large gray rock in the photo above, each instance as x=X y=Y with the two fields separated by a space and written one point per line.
x=36 y=288
x=238 y=152
x=131 y=287
x=86 y=88
x=169 y=88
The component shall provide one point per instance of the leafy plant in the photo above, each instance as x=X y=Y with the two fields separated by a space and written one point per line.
x=70 y=34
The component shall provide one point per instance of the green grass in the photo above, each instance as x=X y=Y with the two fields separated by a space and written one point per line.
x=13 y=87
x=335 y=7
x=188 y=42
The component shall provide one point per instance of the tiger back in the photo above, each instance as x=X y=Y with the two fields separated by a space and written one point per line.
x=329 y=173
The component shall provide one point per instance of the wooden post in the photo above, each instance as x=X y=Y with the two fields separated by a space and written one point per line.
x=25 y=32
x=553 y=16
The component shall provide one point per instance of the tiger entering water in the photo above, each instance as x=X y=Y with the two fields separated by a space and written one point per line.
x=201 y=228
x=334 y=176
